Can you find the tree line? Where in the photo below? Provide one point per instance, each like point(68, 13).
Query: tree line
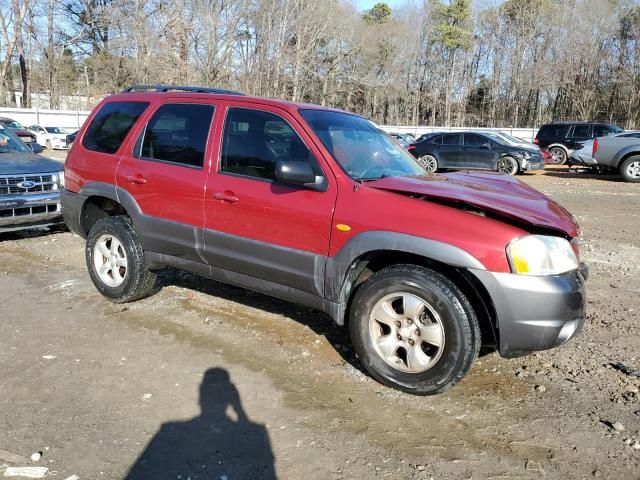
point(515, 63)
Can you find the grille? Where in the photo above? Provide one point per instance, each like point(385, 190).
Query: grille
point(24, 211)
point(43, 183)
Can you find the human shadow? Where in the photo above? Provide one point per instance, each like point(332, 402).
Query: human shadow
point(212, 445)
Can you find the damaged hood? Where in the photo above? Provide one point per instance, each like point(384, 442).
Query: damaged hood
point(500, 194)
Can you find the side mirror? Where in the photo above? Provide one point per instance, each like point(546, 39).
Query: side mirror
point(485, 146)
point(36, 148)
point(301, 174)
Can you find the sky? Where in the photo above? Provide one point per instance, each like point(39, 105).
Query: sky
point(364, 4)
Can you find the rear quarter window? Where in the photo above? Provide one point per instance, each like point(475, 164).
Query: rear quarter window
point(110, 126)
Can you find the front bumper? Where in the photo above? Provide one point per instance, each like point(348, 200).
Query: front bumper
point(18, 212)
point(535, 313)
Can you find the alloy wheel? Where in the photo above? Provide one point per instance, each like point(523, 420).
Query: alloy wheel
point(407, 332)
point(110, 260)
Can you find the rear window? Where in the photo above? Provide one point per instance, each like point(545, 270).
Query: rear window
point(553, 130)
point(110, 126)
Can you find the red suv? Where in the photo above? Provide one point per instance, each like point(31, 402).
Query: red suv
point(320, 207)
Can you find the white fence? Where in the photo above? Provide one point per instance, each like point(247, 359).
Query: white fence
point(527, 134)
point(47, 118)
point(74, 120)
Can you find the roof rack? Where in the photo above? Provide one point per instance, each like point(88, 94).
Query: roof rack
point(178, 88)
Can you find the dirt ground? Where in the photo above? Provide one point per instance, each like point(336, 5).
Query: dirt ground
point(216, 382)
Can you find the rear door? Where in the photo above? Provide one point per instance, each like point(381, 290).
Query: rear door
point(165, 169)
point(578, 133)
point(477, 152)
point(256, 226)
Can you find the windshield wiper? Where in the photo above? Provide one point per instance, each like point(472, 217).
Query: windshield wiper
point(371, 179)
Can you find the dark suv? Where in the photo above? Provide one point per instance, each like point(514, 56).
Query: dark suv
point(562, 138)
point(320, 207)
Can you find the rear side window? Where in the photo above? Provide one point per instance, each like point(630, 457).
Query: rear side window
point(110, 126)
point(553, 131)
point(452, 139)
point(178, 133)
point(580, 131)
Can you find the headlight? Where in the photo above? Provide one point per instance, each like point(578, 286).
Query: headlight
point(541, 255)
point(526, 155)
point(61, 177)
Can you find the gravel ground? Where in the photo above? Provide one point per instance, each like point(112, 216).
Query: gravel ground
point(216, 382)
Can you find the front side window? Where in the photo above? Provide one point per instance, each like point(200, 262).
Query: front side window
point(178, 133)
point(601, 131)
point(54, 130)
point(361, 149)
point(111, 125)
point(254, 141)
point(474, 140)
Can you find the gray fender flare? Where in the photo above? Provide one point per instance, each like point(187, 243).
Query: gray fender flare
point(626, 152)
point(338, 266)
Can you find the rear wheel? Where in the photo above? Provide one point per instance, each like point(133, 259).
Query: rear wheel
point(414, 330)
point(630, 169)
point(508, 165)
point(429, 162)
point(558, 155)
point(115, 260)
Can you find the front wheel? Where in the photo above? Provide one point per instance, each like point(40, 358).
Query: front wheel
point(115, 260)
point(413, 329)
point(630, 169)
point(508, 165)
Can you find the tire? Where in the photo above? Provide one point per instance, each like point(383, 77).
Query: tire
point(558, 155)
point(445, 317)
point(630, 169)
point(47, 144)
point(124, 283)
point(508, 165)
point(429, 163)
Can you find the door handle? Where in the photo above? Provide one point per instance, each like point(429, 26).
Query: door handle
point(139, 179)
point(226, 196)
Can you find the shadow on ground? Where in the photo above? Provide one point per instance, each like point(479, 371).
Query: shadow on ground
point(220, 442)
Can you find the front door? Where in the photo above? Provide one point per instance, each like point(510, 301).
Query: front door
point(256, 226)
point(165, 171)
point(477, 152)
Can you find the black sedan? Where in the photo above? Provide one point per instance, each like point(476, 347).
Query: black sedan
point(472, 150)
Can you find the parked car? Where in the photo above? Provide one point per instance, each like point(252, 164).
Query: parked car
point(401, 139)
point(29, 185)
point(474, 150)
point(25, 135)
point(583, 155)
point(50, 137)
point(70, 138)
point(562, 138)
point(423, 268)
point(619, 153)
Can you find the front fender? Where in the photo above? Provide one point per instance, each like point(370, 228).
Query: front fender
point(339, 265)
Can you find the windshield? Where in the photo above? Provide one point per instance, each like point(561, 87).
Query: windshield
point(616, 128)
point(361, 149)
point(54, 130)
point(13, 124)
point(10, 143)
